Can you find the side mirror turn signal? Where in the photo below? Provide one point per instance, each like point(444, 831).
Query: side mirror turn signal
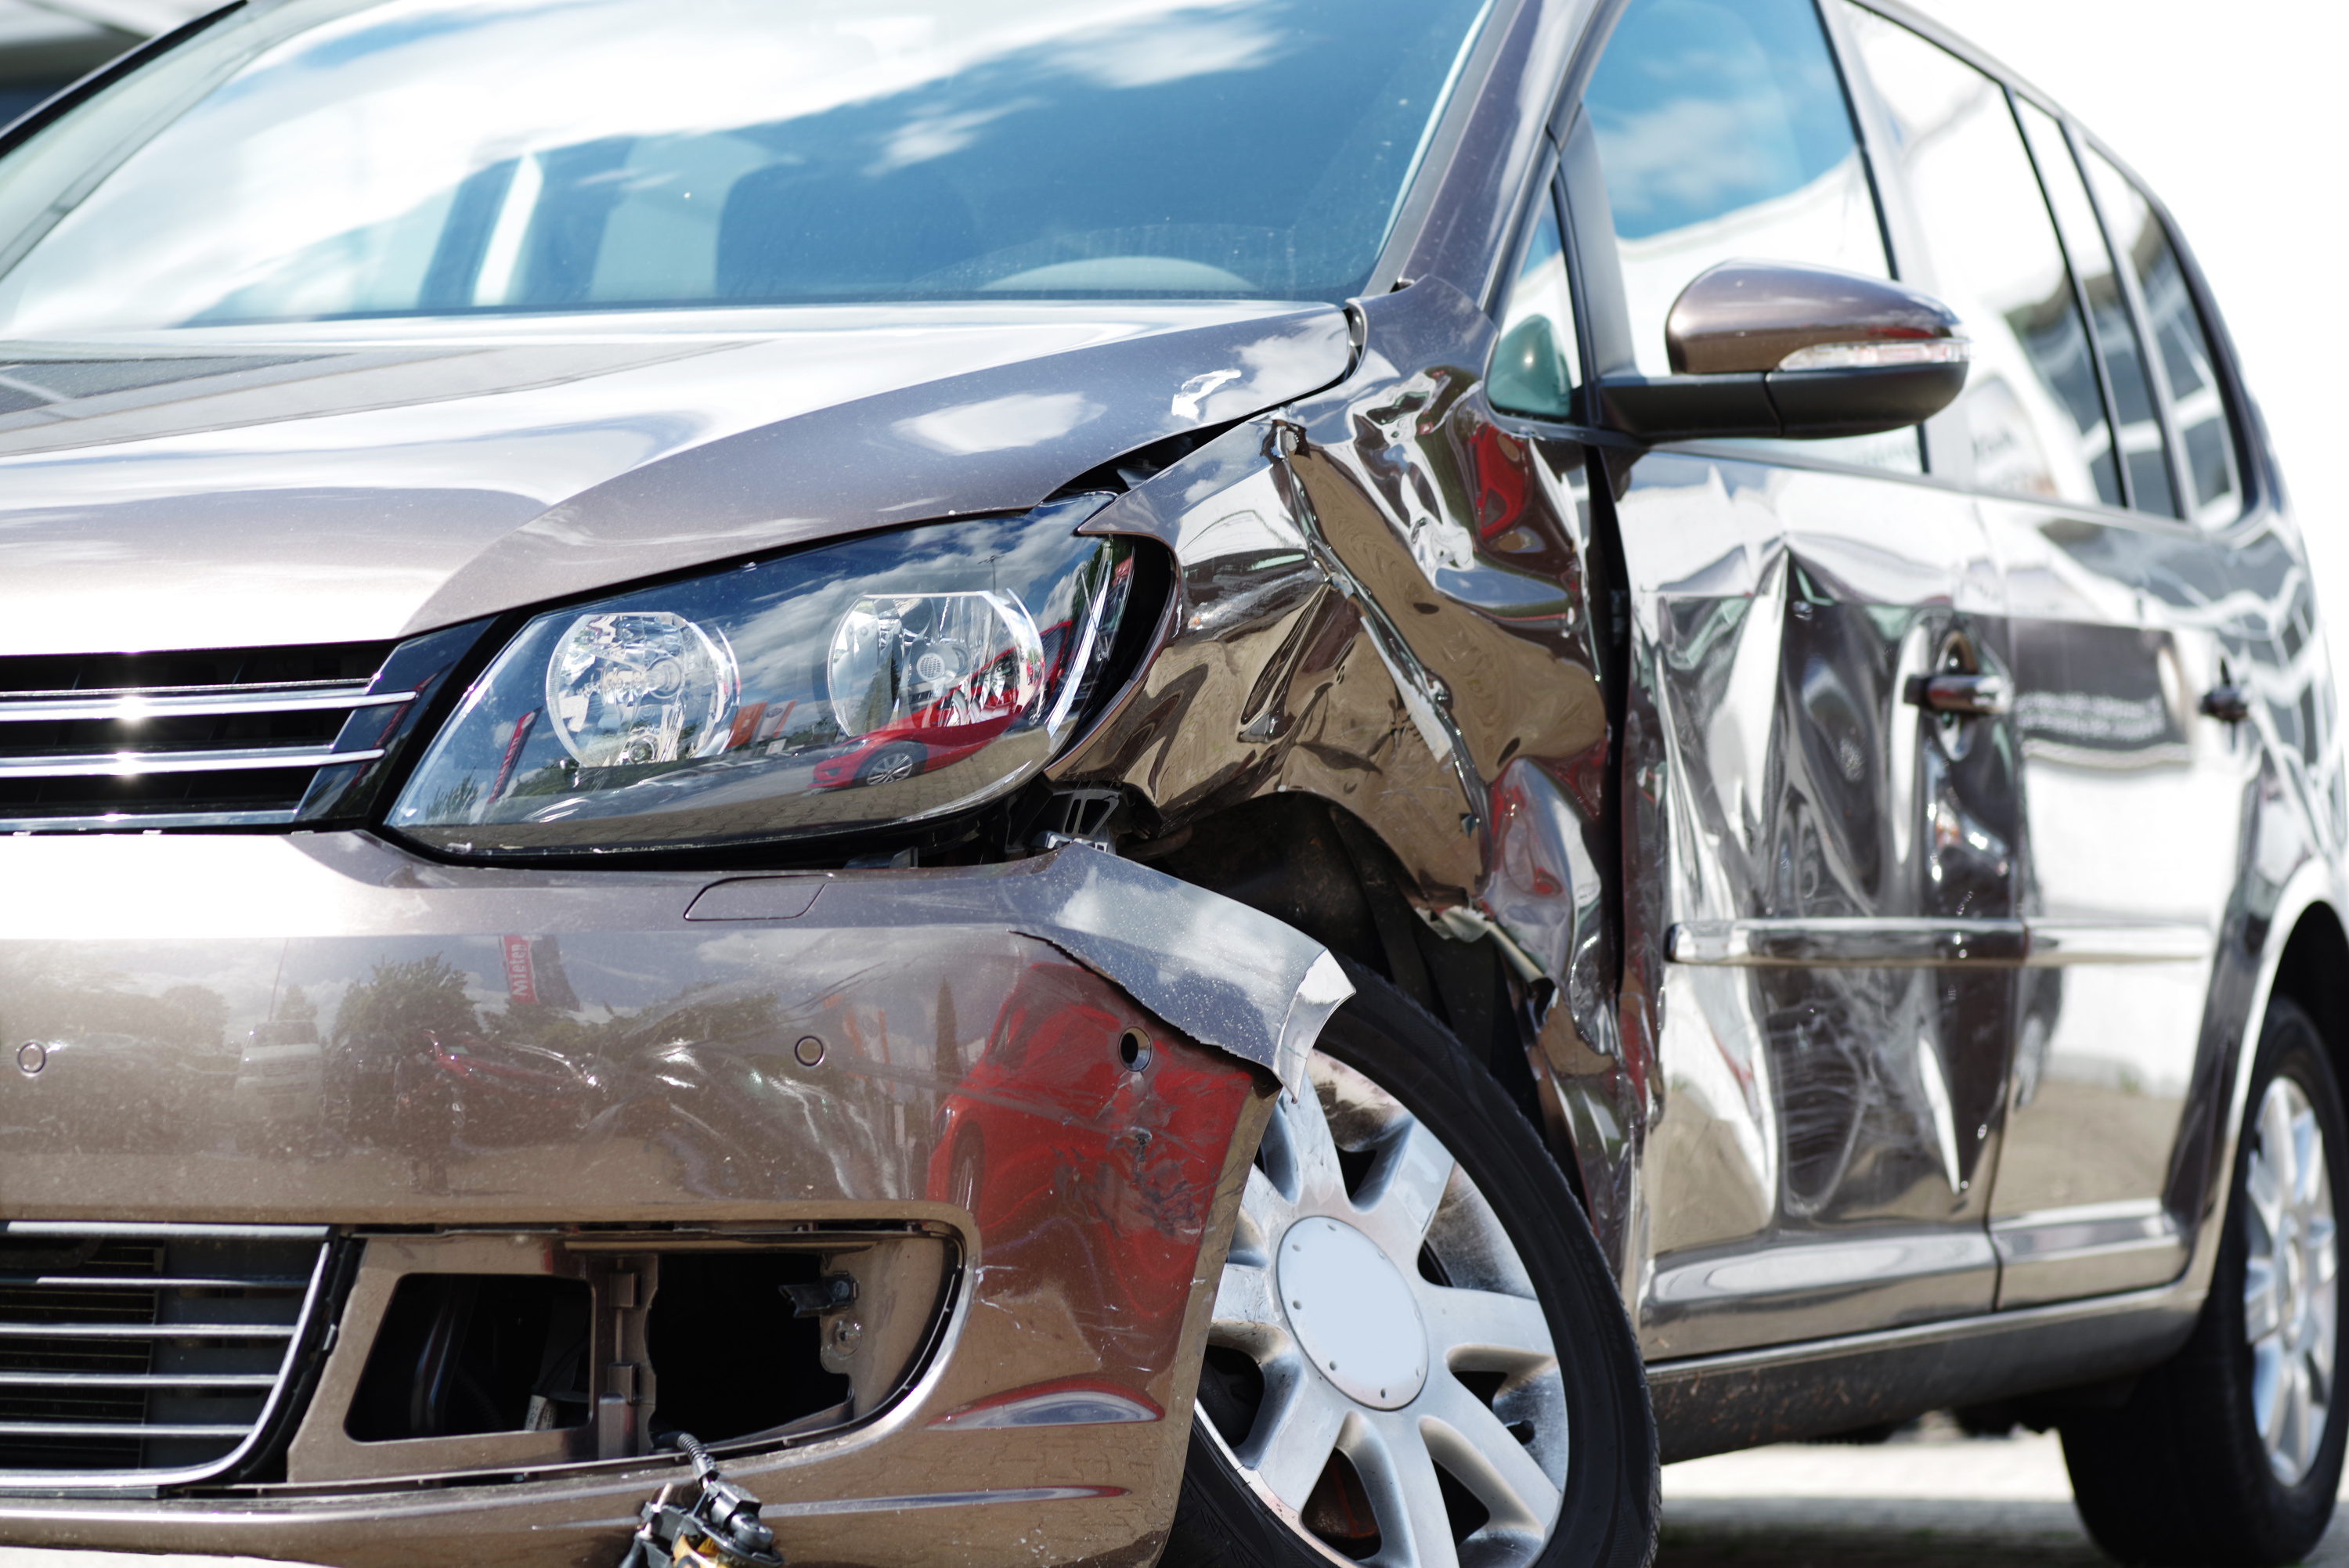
point(1774, 348)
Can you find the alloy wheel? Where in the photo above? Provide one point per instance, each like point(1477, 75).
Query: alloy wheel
point(1381, 1371)
point(2290, 1300)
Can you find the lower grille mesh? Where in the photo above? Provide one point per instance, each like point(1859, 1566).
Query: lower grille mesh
point(132, 1354)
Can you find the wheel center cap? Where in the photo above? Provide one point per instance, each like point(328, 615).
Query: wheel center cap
point(1353, 1312)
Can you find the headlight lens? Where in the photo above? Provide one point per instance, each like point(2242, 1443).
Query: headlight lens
point(878, 680)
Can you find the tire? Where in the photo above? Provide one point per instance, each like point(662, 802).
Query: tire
point(894, 763)
point(2189, 1470)
point(1451, 1261)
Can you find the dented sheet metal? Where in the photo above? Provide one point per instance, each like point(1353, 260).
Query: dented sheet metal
point(1063, 1062)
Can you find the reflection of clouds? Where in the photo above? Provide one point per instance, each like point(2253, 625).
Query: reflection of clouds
point(1175, 48)
point(1705, 155)
point(1018, 419)
point(936, 135)
point(382, 113)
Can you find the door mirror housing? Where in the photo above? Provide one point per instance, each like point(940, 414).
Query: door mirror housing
point(1775, 348)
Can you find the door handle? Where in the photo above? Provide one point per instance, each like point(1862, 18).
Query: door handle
point(2227, 703)
point(1959, 694)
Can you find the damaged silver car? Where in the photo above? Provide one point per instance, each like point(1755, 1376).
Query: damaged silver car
point(1056, 783)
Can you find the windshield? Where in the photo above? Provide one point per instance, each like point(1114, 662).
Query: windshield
point(322, 159)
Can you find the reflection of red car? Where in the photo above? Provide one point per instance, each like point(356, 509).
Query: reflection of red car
point(1078, 1135)
point(966, 719)
point(502, 1093)
point(929, 738)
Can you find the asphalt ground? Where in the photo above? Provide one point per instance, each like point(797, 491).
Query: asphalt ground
point(1930, 1498)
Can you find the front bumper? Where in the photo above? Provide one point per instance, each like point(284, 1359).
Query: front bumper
point(1050, 1074)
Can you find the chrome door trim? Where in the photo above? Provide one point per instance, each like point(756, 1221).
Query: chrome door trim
point(2051, 1255)
point(1791, 1269)
point(1871, 943)
point(1933, 943)
point(2058, 942)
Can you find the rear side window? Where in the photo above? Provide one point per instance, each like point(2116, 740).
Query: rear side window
point(2145, 457)
point(2182, 360)
point(2032, 412)
point(1724, 134)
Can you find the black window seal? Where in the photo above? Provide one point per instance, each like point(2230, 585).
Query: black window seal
point(52, 110)
point(2221, 343)
point(2149, 347)
point(2105, 389)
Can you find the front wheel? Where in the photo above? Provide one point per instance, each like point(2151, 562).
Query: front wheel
point(1417, 1356)
point(2231, 1451)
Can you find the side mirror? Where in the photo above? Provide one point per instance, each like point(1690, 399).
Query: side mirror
point(1772, 348)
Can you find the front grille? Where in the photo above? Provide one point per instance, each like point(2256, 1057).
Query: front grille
point(232, 737)
point(135, 1355)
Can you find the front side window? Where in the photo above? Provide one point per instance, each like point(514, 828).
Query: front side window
point(2145, 455)
point(2033, 414)
point(1725, 135)
point(329, 159)
point(2198, 411)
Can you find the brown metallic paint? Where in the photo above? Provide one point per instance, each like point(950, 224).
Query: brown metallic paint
point(1746, 317)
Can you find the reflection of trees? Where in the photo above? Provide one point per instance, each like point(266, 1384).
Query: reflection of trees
point(45, 996)
point(149, 1058)
point(400, 1000)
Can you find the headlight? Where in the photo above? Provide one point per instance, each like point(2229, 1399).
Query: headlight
point(877, 680)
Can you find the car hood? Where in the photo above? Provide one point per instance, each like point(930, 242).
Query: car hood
point(200, 489)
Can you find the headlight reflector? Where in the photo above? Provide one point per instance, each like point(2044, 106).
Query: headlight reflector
point(641, 687)
point(875, 680)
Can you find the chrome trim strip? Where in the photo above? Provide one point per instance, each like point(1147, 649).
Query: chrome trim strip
point(85, 694)
point(138, 1380)
point(145, 1331)
point(195, 1230)
point(1913, 944)
point(138, 1430)
point(156, 821)
point(136, 764)
point(1793, 1270)
point(1879, 944)
point(1950, 1329)
point(2056, 942)
point(131, 709)
point(150, 1282)
point(2091, 1223)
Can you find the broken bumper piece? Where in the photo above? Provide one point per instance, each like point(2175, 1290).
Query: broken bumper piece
point(364, 1210)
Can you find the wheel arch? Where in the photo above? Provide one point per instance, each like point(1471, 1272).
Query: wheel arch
point(1310, 863)
point(2305, 935)
point(2313, 971)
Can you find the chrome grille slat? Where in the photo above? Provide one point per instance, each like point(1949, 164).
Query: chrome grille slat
point(143, 1355)
point(198, 739)
point(131, 707)
point(98, 822)
point(114, 1429)
point(135, 1282)
point(143, 1331)
point(138, 1380)
point(123, 764)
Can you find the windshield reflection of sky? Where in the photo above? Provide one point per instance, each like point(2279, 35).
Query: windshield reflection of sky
point(428, 156)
